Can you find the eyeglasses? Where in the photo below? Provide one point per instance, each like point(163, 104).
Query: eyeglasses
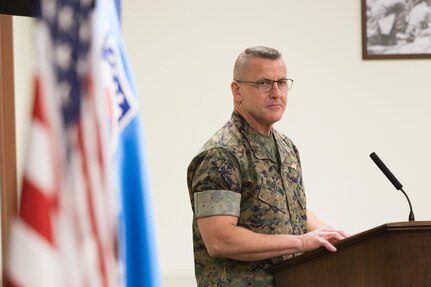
point(265, 86)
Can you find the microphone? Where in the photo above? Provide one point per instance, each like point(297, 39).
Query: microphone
point(392, 179)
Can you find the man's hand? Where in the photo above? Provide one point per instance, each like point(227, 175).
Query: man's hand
point(322, 237)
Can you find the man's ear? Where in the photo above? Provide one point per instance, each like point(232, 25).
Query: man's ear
point(236, 91)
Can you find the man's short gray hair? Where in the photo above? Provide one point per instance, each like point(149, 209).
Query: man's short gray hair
point(253, 52)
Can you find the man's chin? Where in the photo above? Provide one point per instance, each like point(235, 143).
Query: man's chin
point(275, 117)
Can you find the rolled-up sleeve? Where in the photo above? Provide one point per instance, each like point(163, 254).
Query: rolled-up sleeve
point(215, 184)
point(216, 202)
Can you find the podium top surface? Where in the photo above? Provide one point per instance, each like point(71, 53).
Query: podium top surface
point(354, 239)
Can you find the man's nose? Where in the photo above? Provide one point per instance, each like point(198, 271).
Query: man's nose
point(276, 92)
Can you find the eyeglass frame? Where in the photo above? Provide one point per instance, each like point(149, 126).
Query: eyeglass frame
point(267, 81)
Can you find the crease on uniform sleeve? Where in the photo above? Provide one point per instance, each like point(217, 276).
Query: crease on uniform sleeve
point(217, 202)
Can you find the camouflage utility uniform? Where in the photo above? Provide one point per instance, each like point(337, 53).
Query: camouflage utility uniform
point(237, 174)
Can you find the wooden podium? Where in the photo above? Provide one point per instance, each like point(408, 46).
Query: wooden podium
point(393, 254)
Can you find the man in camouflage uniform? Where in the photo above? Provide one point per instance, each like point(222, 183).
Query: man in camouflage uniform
point(246, 186)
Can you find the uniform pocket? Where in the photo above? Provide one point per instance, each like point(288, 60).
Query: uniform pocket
point(270, 195)
point(293, 177)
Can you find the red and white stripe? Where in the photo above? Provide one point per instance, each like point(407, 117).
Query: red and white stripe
point(66, 231)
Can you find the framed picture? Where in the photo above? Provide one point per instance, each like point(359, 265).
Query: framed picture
point(396, 29)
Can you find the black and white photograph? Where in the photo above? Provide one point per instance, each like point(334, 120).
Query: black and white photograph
point(396, 28)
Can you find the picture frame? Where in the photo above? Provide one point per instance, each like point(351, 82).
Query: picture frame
point(396, 29)
point(18, 7)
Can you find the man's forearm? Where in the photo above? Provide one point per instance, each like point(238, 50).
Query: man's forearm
point(242, 244)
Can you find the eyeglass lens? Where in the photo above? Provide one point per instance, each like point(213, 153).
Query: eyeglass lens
point(283, 85)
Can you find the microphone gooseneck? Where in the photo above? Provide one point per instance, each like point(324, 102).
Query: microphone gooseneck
point(411, 215)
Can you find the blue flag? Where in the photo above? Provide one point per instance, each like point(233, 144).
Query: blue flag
point(136, 234)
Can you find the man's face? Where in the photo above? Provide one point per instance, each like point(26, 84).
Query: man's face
point(262, 109)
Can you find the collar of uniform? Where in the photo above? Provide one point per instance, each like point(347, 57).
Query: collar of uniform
point(254, 138)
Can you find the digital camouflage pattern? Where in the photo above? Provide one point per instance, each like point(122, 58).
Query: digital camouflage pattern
point(235, 173)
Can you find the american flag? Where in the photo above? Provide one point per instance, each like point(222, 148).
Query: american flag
point(66, 230)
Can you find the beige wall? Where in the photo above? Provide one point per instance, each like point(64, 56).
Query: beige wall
point(340, 109)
